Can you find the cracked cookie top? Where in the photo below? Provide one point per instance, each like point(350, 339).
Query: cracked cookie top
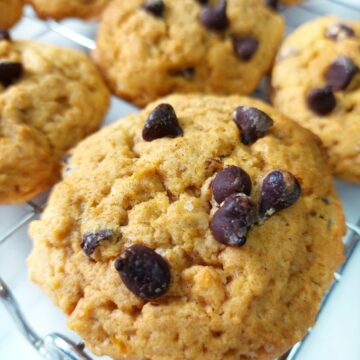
point(148, 49)
point(138, 247)
point(316, 82)
point(50, 98)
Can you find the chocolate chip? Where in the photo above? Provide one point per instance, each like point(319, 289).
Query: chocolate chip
point(321, 100)
point(91, 241)
point(144, 272)
point(339, 32)
point(155, 7)
point(4, 35)
point(340, 73)
point(162, 122)
point(245, 47)
point(279, 190)
point(187, 73)
point(202, 2)
point(229, 181)
point(214, 17)
point(232, 221)
point(10, 72)
point(272, 4)
point(252, 122)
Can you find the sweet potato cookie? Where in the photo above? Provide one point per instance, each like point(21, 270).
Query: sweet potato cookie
point(316, 81)
point(50, 98)
point(200, 228)
point(147, 49)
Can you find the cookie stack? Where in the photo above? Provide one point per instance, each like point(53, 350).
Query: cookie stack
point(207, 225)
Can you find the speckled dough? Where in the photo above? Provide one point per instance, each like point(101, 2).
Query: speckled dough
point(59, 9)
point(10, 12)
point(223, 302)
point(301, 66)
point(142, 56)
point(59, 99)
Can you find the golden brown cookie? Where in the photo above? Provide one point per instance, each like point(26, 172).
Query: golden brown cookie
point(136, 249)
point(60, 9)
point(50, 98)
point(148, 49)
point(316, 81)
point(10, 12)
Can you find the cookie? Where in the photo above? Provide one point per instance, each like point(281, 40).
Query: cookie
point(50, 98)
point(10, 12)
point(60, 9)
point(149, 49)
point(202, 227)
point(316, 81)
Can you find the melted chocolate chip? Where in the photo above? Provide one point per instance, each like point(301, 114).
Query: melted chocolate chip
point(321, 100)
point(232, 221)
point(279, 190)
point(214, 17)
point(186, 73)
point(229, 181)
point(162, 122)
point(91, 241)
point(252, 122)
point(340, 73)
point(272, 4)
point(10, 72)
point(245, 47)
point(144, 272)
point(155, 8)
point(4, 35)
point(339, 32)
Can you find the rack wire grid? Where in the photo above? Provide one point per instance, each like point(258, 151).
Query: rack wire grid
point(14, 219)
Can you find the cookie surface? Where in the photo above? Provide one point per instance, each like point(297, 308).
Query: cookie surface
point(50, 98)
point(122, 194)
point(144, 56)
point(10, 12)
point(60, 9)
point(316, 81)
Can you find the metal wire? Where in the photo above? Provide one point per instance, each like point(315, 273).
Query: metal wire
point(56, 346)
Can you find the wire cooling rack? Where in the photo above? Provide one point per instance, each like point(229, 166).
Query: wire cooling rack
point(81, 35)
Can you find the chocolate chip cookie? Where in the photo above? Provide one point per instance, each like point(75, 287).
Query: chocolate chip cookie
point(50, 98)
point(147, 49)
point(316, 81)
point(202, 227)
point(60, 9)
point(10, 13)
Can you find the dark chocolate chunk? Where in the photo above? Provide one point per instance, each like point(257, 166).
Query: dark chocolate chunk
point(340, 73)
point(272, 4)
point(229, 181)
point(321, 100)
point(339, 32)
point(252, 122)
point(144, 272)
point(279, 190)
point(245, 47)
point(91, 241)
point(214, 17)
point(232, 221)
point(10, 72)
point(4, 35)
point(155, 8)
point(162, 122)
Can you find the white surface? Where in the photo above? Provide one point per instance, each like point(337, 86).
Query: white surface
point(337, 333)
